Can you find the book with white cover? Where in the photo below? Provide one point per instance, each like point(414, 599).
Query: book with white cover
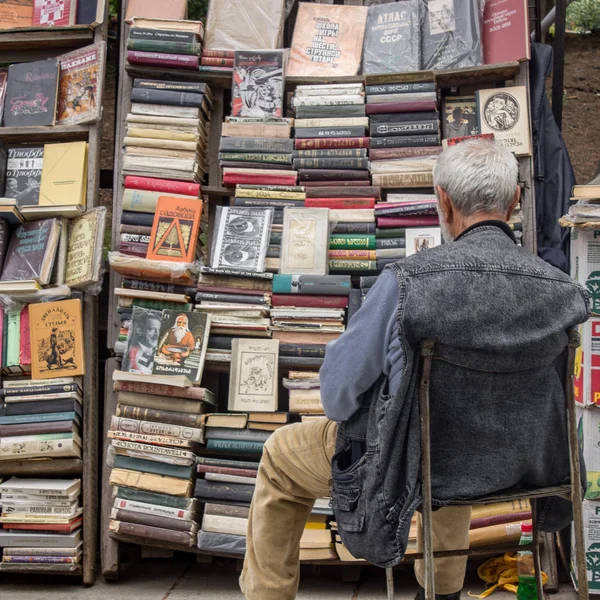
point(33, 486)
point(419, 239)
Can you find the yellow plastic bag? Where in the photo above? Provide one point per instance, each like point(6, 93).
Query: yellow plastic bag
point(500, 573)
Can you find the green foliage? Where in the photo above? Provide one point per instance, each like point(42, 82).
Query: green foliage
point(584, 16)
point(113, 8)
point(197, 9)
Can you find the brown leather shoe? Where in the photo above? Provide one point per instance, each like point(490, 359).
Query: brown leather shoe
point(421, 595)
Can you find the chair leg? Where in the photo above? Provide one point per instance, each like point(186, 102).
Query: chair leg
point(389, 580)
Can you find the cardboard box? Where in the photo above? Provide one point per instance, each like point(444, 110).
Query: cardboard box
point(591, 524)
point(585, 262)
point(586, 383)
point(588, 432)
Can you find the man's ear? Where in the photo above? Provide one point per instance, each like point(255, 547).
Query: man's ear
point(446, 207)
point(513, 204)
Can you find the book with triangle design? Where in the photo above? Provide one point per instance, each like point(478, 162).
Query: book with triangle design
point(175, 229)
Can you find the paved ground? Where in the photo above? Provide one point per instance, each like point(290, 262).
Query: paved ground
point(175, 579)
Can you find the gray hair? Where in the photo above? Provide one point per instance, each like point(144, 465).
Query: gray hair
point(479, 176)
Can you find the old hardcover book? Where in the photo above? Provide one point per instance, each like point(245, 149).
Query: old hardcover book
point(327, 40)
point(256, 130)
point(153, 466)
point(459, 116)
point(130, 516)
point(228, 492)
point(84, 251)
point(405, 141)
point(16, 13)
point(420, 239)
point(506, 31)
point(159, 534)
point(253, 383)
point(384, 108)
point(162, 35)
point(149, 45)
point(257, 84)
point(139, 388)
point(169, 24)
point(331, 143)
point(155, 9)
point(64, 175)
point(31, 252)
point(159, 416)
point(256, 145)
point(305, 241)
point(151, 482)
point(241, 237)
point(90, 12)
point(56, 339)
point(59, 13)
point(80, 85)
point(31, 93)
point(451, 34)
point(182, 344)
point(186, 504)
point(505, 113)
point(392, 38)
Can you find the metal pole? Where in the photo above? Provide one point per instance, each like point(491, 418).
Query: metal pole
point(558, 75)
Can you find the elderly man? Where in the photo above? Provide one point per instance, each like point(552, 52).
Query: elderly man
point(178, 342)
point(498, 316)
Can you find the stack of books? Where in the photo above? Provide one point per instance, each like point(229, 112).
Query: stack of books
point(309, 312)
point(316, 542)
point(216, 61)
point(405, 131)
point(498, 523)
point(40, 418)
point(224, 525)
point(231, 432)
point(165, 43)
point(41, 523)
point(167, 130)
point(305, 394)
point(586, 207)
point(155, 435)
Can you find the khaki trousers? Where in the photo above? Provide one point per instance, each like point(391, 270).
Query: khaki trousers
point(294, 471)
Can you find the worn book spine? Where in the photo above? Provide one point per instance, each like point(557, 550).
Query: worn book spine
point(309, 301)
point(137, 218)
point(322, 191)
point(331, 153)
point(144, 33)
point(218, 53)
point(191, 434)
point(133, 249)
point(344, 111)
point(161, 59)
point(38, 407)
point(352, 242)
point(411, 128)
point(140, 387)
point(151, 286)
point(151, 482)
point(382, 243)
point(331, 163)
point(266, 202)
point(352, 254)
point(228, 433)
point(256, 157)
point(41, 560)
point(401, 88)
point(167, 500)
point(232, 492)
point(256, 145)
point(152, 533)
point(342, 265)
point(500, 519)
point(391, 153)
point(326, 100)
point(228, 471)
point(302, 350)
point(324, 174)
point(242, 446)
point(340, 203)
point(329, 132)
point(425, 221)
point(401, 141)
point(38, 418)
point(269, 194)
point(168, 97)
point(154, 509)
point(231, 179)
point(159, 416)
point(324, 143)
point(345, 227)
point(225, 462)
point(236, 299)
point(32, 391)
point(43, 449)
point(161, 453)
point(404, 180)
point(151, 439)
point(256, 130)
point(150, 466)
point(32, 428)
point(168, 47)
point(226, 510)
point(214, 61)
point(128, 516)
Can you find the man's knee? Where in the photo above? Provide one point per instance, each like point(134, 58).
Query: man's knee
point(278, 440)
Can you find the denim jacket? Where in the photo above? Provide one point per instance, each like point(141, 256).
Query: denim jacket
point(498, 316)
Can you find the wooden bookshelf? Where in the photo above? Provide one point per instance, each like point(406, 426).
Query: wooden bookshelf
point(22, 45)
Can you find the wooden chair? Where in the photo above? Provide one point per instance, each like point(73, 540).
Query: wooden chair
point(572, 492)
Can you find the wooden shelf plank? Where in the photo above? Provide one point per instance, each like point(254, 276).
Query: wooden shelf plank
point(477, 75)
point(28, 38)
point(40, 134)
point(68, 467)
point(220, 80)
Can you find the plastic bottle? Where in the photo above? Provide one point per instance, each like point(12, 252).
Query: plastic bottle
point(527, 589)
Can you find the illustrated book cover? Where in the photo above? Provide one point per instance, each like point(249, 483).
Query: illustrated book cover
point(240, 238)
point(84, 249)
point(505, 113)
point(56, 339)
point(80, 85)
point(258, 86)
point(459, 116)
point(305, 241)
point(327, 40)
point(182, 344)
point(419, 239)
point(31, 252)
point(142, 341)
point(392, 38)
point(64, 175)
point(254, 375)
point(23, 175)
point(31, 93)
point(54, 13)
point(175, 229)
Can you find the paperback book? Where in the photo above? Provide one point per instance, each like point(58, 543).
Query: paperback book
point(23, 175)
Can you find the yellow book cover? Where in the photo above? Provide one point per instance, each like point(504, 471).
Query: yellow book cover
point(64, 174)
point(56, 339)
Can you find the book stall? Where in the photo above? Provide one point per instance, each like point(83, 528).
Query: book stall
point(52, 64)
point(261, 185)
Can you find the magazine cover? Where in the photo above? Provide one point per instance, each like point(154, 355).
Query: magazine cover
point(24, 174)
point(182, 344)
point(241, 240)
point(80, 85)
point(257, 84)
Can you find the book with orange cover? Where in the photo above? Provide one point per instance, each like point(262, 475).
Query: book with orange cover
point(175, 229)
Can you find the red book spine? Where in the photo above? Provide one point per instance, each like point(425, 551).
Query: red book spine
point(316, 143)
point(302, 301)
point(363, 183)
point(500, 519)
point(227, 290)
point(318, 191)
point(25, 350)
point(352, 255)
point(216, 62)
point(133, 249)
point(424, 221)
point(133, 182)
point(384, 153)
point(261, 178)
point(218, 53)
point(159, 389)
point(159, 59)
point(57, 527)
point(227, 470)
point(400, 107)
point(339, 203)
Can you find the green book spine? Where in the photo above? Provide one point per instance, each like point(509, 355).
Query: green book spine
point(126, 493)
point(40, 418)
point(342, 265)
point(150, 466)
point(161, 305)
point(235, 446)
point(223, 462)
point(122, 337)
point(14, 337)
point(256, 157)
point(352, 242)
point(390, 233)
point(166, 47)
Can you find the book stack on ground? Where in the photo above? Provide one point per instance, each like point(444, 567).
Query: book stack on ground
point(307, 313)
point(40, 418)
point(304, 389)
point(168, 44)
point(41, 524)
point(405, 131)
point(155, 435)
point(316, 542)
point(167, 130)
point(498, 523)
